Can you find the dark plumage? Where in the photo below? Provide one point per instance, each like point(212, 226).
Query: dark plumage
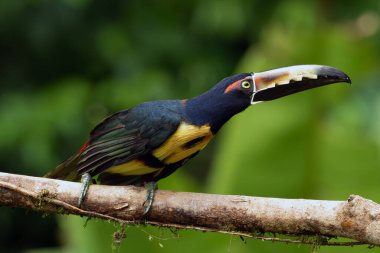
point(135, 133)
point(151, 140)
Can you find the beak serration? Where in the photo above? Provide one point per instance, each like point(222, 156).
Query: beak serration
point(276, 83)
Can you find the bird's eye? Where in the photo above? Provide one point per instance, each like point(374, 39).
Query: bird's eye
point(246, 84)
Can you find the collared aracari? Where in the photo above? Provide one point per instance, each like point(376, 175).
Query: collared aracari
point(150, 141)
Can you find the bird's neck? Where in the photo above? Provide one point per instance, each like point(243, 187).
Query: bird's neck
point(211, 108)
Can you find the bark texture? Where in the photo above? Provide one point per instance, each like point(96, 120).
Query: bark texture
point(357, 218)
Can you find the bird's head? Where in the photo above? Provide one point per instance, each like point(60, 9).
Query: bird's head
point(235, 93)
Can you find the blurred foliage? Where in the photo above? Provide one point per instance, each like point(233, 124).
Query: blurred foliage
point(66, 64)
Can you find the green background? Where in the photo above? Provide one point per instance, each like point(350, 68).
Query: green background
point(66, 64)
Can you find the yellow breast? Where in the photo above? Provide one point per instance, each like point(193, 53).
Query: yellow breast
point(187, 140)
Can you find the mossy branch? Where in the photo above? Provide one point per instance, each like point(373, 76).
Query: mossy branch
point(357, 218)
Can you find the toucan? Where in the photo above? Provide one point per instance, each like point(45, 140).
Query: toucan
point(148, 142)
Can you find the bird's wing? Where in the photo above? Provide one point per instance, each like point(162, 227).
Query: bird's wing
point(125, 136)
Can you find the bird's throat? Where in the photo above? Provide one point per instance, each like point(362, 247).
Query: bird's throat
point(214, 110)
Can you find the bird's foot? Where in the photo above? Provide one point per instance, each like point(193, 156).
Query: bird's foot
point(150, 189)
point(86, 178)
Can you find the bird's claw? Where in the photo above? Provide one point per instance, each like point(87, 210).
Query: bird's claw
point(86, 178)
point(150, 189)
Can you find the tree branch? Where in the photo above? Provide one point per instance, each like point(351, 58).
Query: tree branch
point(357, 218)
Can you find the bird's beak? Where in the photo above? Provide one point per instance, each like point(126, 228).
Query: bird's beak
point(276, 83)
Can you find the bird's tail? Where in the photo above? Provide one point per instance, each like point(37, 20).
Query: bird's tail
point(66, 170)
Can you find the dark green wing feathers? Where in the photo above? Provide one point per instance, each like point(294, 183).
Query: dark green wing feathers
point(123, 137)
point(117, 138)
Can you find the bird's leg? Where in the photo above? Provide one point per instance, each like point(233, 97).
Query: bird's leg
point(150, 188)
point(86, 178)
